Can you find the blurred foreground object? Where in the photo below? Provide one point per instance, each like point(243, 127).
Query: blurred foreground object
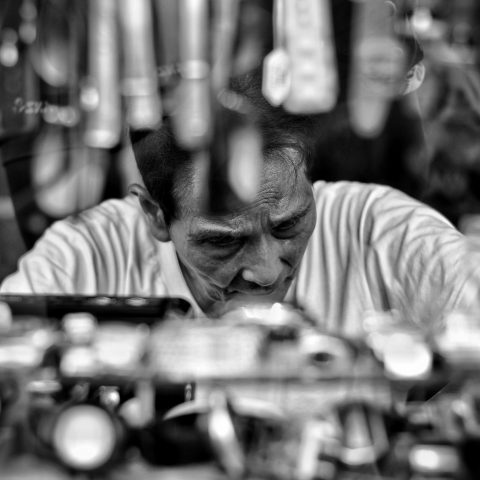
point(98, 395)
point(77, 76)
point(300, 73)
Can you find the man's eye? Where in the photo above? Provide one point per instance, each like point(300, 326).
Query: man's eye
point(223, 241)
point(286, 226)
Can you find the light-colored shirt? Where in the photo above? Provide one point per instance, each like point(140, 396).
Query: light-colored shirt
point(373, 248)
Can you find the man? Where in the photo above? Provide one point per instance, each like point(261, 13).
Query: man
point(336, 250)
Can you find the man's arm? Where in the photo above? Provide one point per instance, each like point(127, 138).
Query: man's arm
point(427, 266)
point(57, 264)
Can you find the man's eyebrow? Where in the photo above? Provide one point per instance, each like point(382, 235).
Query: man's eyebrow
point(212, 232)
point(221, 228)
point(296, 215)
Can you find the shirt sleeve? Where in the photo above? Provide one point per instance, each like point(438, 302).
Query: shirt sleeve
point(59, 263)
point(427, 267)
point(106, 250)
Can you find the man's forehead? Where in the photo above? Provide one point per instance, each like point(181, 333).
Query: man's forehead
point(281, 180)
point(268, 209)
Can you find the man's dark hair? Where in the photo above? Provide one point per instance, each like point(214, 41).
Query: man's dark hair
point(162, 164)
point(166, 168)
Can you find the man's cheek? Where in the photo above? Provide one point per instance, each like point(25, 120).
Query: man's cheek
point(294, 250)
point(218, 272)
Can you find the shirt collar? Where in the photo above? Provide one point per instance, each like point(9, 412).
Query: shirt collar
point(173, 277)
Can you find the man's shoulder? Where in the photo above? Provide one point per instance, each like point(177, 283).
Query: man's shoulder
point(114, 222)
point(362, 206)
point(115, 207)
point(120, 213)
point(355, 196)
point(346, 188)
point(90, 253)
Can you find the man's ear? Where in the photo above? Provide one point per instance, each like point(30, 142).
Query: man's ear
point(152, 210)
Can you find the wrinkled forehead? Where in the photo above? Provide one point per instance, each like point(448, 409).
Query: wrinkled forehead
point(283, 178)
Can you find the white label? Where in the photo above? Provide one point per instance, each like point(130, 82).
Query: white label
point(276, 77)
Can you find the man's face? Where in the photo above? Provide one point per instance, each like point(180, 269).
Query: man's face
point(253, 253)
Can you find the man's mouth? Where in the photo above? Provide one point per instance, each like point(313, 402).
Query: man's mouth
point(260, 292)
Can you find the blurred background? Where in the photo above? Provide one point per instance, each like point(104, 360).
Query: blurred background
point(398, 80)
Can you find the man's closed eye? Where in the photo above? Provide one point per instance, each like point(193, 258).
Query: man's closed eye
point(222, 241)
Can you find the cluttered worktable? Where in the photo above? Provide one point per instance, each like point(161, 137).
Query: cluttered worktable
point(151, 392)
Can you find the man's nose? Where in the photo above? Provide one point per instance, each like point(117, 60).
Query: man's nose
point(264, 264)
